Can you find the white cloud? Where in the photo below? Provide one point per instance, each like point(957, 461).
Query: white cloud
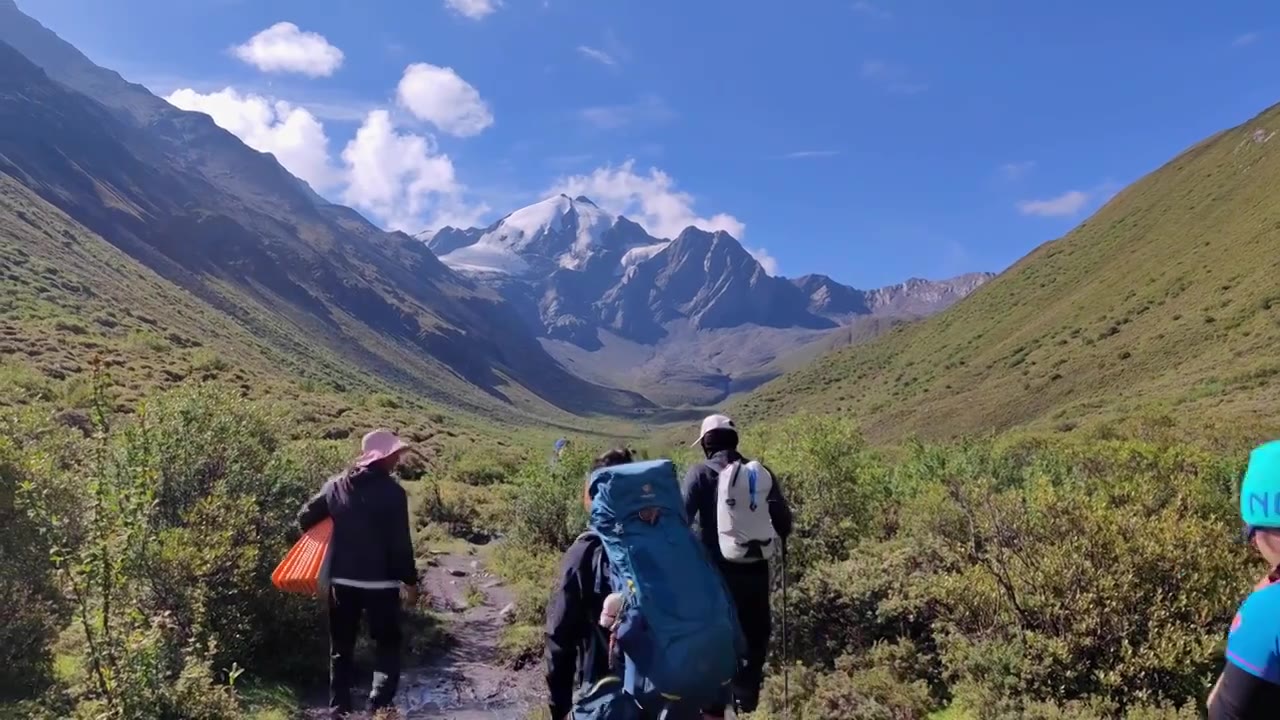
point(767, 261)
point(806, 154)
point(1017, 170)
point(872, 10)
point(284, 48)
point(1068, 203)
point(1246, 39)
point(893, 78)
point(650, 199)
point(648, 110)
point(441, 97)
point(474, 9)
point(1072, 202)
point(598, 55)
point(292, 134)
point(401, 179)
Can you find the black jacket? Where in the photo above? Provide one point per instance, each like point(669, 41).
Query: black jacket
point(1242, 696)
point(371, 540)
point(574, 651)
point(699, 489)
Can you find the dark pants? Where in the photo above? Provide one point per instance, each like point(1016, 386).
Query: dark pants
point(749, 587)
point(382, 610)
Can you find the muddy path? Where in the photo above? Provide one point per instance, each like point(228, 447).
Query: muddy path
point(470, 680)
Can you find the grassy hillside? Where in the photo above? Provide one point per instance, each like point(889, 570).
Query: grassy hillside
point(313, 286)
point(70, 297)
point(1166, 299)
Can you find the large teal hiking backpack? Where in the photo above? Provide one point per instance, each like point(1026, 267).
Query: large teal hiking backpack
point(677, 638)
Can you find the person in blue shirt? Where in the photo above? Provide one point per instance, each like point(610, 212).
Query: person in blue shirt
point(1249, 686)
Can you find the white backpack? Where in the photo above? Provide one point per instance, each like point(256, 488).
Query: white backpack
point(742, 513)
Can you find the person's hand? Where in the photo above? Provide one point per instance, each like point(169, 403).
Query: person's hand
point(411, 595)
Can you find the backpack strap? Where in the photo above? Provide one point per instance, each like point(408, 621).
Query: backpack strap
point(629, 678)
point(733, 468)
point(601, 641)
point(597, 559)
point(751, 486)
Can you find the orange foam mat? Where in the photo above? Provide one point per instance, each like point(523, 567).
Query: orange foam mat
point(300, 570)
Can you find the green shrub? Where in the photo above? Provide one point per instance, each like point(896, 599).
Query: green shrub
point(35, 609)
point(1030, 577)
point(144, 341)
point(165, 562)
point(547, 508)
point(531, 574)
point(836, 486)
point(849, 690)
point(205, 360)
point(481, 467)
point(452, 506)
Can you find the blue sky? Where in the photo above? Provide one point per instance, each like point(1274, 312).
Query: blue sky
point(868, 139)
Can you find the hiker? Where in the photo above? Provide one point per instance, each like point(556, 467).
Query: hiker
point(584, 610)
point(742, 550)
point(371, 561)
point(557, 450)
point(1249, 686)
point(572, 660)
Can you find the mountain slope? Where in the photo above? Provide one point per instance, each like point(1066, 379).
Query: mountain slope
point(232, 227)
point(684, 322)
point(1167, 297)
point(708, 279)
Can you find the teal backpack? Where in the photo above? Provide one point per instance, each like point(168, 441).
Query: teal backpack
point(676, 643)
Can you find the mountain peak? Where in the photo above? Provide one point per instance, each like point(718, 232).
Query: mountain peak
point(558, 231)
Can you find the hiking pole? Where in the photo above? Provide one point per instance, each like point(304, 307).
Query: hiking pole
point(786, 655)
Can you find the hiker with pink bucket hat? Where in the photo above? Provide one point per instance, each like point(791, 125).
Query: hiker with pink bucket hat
point(370, 562)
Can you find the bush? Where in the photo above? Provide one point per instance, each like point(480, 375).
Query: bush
point(165, 561)
point(226, 493)
point(34, 607)
point(480, 467)
point(456, 508)
point(849, 690)
point(836, 486)
point(1030, 577)
point(882, 594)
point(547, 509)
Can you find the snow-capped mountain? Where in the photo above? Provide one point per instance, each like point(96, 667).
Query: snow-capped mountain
point(685, 320)
point(559, 232)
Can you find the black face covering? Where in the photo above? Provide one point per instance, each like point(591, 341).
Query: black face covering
point(719, 441)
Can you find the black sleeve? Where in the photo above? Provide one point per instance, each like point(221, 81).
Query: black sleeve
point(566, 628)
point(400, 544)
point(1242, 696)
point(314, 510)
point(779, 508)
point(694, 490)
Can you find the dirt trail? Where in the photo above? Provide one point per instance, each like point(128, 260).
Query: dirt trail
point(469, 681)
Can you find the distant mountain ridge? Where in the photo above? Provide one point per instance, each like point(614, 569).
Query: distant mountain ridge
point(560, 308)
point(232, 227)
point(586, 278)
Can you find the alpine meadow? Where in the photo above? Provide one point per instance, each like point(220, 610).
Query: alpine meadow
point(1016, 486)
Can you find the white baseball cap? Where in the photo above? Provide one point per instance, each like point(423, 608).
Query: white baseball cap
point(714, 422)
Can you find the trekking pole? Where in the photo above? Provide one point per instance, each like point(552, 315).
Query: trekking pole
point(786, 654)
